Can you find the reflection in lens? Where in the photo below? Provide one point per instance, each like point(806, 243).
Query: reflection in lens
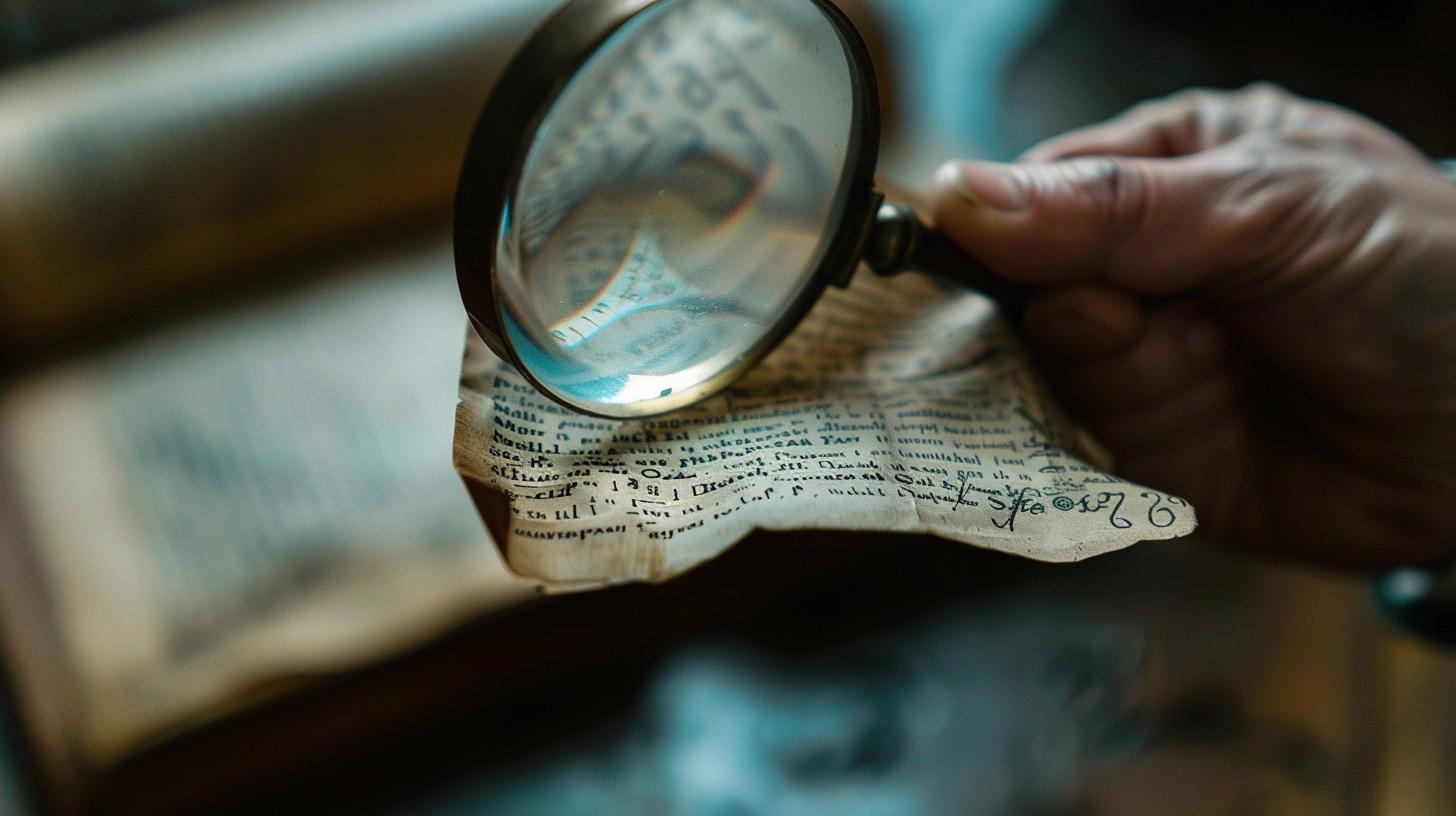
point(676, 200)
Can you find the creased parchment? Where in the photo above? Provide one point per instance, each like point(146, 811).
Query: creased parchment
point(897, 406)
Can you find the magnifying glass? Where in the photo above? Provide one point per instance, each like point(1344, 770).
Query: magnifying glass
point(657, 192)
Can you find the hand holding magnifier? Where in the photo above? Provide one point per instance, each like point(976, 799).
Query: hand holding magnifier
point(658, 191)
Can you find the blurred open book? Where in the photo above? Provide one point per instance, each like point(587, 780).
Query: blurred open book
point(242, 481)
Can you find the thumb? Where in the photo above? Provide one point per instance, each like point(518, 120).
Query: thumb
point(1153, 227)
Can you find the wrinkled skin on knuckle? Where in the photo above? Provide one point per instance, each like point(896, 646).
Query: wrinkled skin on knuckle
point(1198, 98)
point(1322, 127)
point(1367, 187)
point(1291, 216)
point(1218, 117)
point(1320, 136)
point(1176, 122)
point(1338, 133)
point(1348, 231)
point(1266, 95)
point(1114, 191)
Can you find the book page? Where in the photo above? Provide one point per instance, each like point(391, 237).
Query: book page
point(898, 406)
point(253, 498)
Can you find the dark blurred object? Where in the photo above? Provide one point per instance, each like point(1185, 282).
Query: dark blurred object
point(920, 680)
point(30, 29)
point(182, 156)
point(1422, 601)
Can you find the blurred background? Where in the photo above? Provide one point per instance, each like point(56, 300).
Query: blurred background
point(237, 573)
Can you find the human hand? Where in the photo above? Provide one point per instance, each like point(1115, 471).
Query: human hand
point(1250, 298)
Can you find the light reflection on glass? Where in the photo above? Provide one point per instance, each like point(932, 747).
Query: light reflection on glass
point(676, 200)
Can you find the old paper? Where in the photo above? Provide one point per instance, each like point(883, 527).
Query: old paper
point(253, 498)
point(897, 406)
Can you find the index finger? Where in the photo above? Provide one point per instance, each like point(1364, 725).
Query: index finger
point(1179, 125)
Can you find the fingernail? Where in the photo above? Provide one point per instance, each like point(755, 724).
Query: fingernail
point(989, 185)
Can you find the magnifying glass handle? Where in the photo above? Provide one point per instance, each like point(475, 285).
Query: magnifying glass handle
point(900, 243)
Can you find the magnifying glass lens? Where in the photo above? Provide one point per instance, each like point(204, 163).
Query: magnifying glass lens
point(675, 203)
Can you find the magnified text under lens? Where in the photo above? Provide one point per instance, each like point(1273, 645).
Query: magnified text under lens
point(677, 199)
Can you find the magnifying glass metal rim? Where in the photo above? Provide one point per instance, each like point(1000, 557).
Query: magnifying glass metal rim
point(502, 139)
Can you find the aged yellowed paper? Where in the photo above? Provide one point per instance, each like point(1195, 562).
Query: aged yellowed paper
point(898, 405)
